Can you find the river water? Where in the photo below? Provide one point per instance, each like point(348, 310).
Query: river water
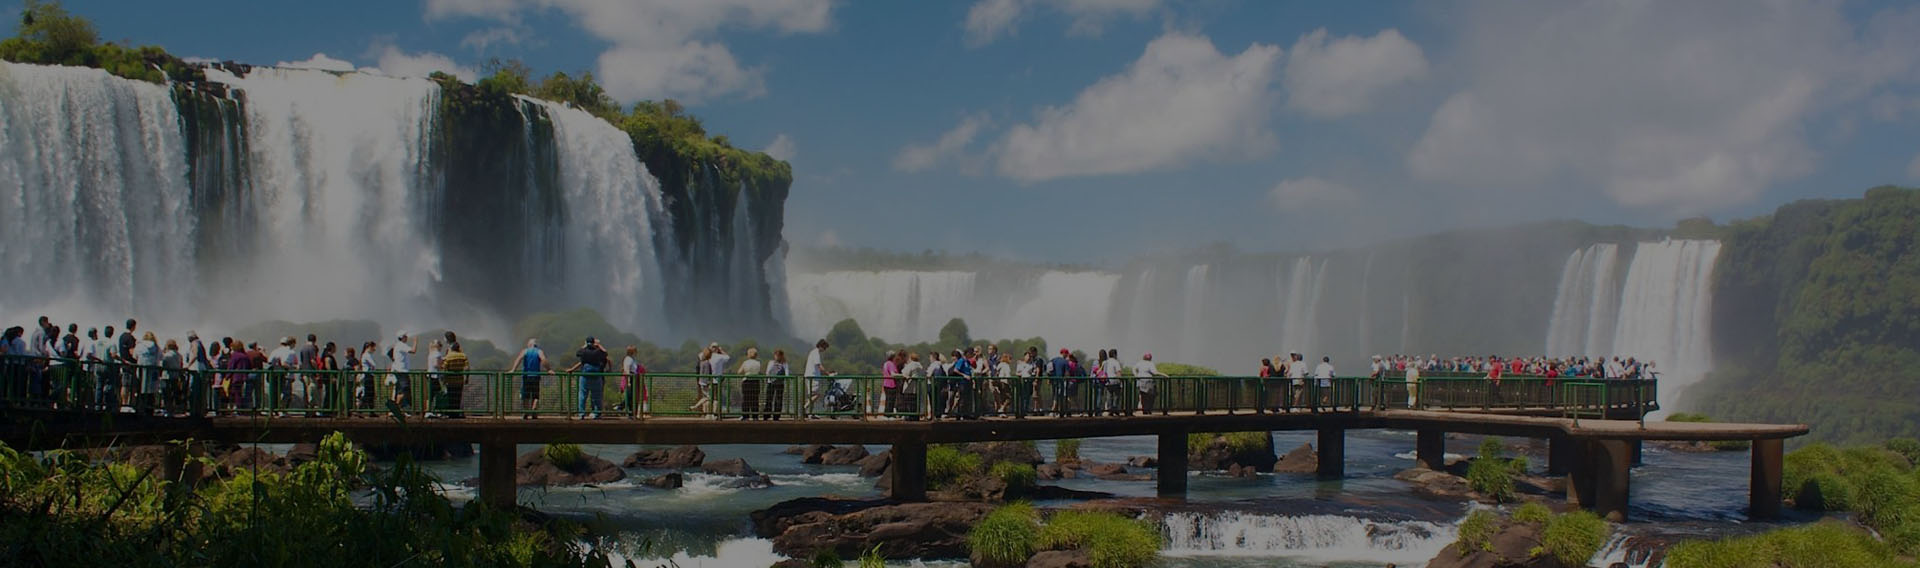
point(1367, 519)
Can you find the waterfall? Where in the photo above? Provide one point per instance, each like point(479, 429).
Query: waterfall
point(1318, 538)
point(1193, 313)
point(1666, 312)
point(95, 194)
point(1069, 309)
point(1296, 319)
point(1585, 308)
point(897, 305)
point(1631, 551)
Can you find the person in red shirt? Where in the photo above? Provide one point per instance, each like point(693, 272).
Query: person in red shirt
point(1493, 377)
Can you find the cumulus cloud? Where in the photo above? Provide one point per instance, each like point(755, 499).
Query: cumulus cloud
point(1182, 101)
point(1310, 193)
point(1683, 106)
point(782, 148)
point(391, 60)
point(663, 48)
point(1342, 77)
point(480, 40)
point(321, 62)
point(989, 20)
point(951, 148)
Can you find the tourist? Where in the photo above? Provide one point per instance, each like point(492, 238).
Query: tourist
point(1111, 369)
point(1003, 394)
point(1493, 379)
point(890, 383)
point(750, 371)
point(454, 366)
point(1077, 375)
point(960, 388)
point(327, 371)
point(630, 372)
point(36, 346)
point(436, 358)
point(708, 402)
point(776, 399)
point(1297, 374)
point(146, 355)
point(1413, 384)
point(591, 360)
point(367, 391)
point(309, 354)
point(1097, 388)
point(400, 357)
point(1324, 372)
point(352, 377)
point(1144, 373)
point(1057, 374)
point(532, 362)
point(700, 371)
point(175, 386)
point(816, 373)
point(912, 374)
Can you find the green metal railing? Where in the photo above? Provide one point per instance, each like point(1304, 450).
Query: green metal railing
point(273, 393)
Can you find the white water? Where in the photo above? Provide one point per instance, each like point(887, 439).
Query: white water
point(93, 197)
point(1193, 313)
point(1296, 328)
point(1586, 307)
point(1316, 538)
point(1666, 312)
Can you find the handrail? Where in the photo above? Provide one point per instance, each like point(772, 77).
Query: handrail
point(96, 386)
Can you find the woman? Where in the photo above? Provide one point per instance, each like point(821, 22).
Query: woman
point(1002, 384)
point(630, 371)
point(701, 371)
point(176, 381)
point(909, 402)
point(890, 383)
point(146, 355)
point(351, 378)
point(328, 368)
point(777, 373)
point(367, 391)
point(750, 383)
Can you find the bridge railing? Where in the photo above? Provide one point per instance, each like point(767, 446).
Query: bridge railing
point(107, 386)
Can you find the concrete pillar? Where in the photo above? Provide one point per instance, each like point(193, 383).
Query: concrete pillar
point(1561, 453)
point(1634, 450)
point(497, 487)
point(909, 472)
point(1333, 453)
point(1173, 465)
point(1601, 478)
point(1430, 449)
point(1764, 498)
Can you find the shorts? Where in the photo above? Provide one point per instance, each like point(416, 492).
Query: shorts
point(529, 388)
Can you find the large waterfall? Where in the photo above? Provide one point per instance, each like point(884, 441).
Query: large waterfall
point(308, 195)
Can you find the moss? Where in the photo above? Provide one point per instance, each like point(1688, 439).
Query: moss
point(1477, 530)
point(564, 455)
point(1017, 476)
point(1532, 513)
point(1572, 538)
point(1110, 540)
point(1006, 537)
point(947, 464)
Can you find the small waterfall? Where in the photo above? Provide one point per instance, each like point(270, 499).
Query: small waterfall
point(1632, 552)
point(897, 305)
point(1193, 313)
point(1586, 307)
point(94, 197)
point(1319, 538)
point(1665, 312)
point(612, 204)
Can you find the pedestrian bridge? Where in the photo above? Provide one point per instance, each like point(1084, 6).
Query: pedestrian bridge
point(1594, 427)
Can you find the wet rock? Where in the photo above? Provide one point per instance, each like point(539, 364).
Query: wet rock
point(797, 450)
point(995, 452)
point(678, 457)
point(665, 481)
point(1052, 471)
point(811, 453)
point(1216, 456)
point(876, 465)
point(759, 481)
point(1060, 559)
point(534, 468)
point(735, 467)
point(846, 455)
point(1300, 460)
point(1436, 484)
point(1099, 469)
point(802, 527)
point(1242, 471)
point(1143, 461)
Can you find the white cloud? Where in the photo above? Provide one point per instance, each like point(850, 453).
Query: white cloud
point(480, 40)
point(988, 20)
point(1343, 77)
point(1913, 168)
point(828, 239)
point(1182, 101)
point(782, 148)
point(951, 147)
point(391, 60)
point(663, 48)
point(1310, 193)
point(1677, 105)
point(321, 62)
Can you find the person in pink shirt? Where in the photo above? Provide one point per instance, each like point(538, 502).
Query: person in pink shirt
point(889, 385)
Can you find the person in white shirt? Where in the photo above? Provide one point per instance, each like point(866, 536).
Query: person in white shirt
point(750, 380)
point(629, 379)
point(1144, 373)
point(1324, 372)
point(816, 373)
point(1413, 384)
point(717, 364)
point(1297, 370)
point(400, 355)
point(436, 362)
point(1110, 370)
point(913, 371)
point(1002, 387)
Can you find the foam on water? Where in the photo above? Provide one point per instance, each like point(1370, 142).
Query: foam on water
point(1319, 538)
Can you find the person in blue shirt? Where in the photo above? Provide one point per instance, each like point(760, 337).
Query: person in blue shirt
point(1057, 374)
point(959, 390)
point(533, 361)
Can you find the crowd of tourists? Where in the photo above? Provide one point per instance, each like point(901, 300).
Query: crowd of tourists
point(130, 370)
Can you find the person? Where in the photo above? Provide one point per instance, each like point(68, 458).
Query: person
point(308, 381)
point(454, 366)
point(701, 369)
point(1098, 386)
point(630, 375)
point(751, 379)
point(709, 395)
point(960, 391)
point(436, 359)
point(591, 360)
point(909, 402)
point(282, 361)
point(201, 363)
point(1002, 385)
point(1297, 374)
point(816, 373)
point(1057, 373)
point(890, 383)
point(367, 391)
point(323, 381)
point(174, 386)
point(1413, 385)
point(939, 383)
point(531, 363)
point(400, 363)
point(1144, 373)
point(351, 380)
point(1493, 379)
point(146, 354)
point(1111, 369)
point(1324, 373)
point(776, 400)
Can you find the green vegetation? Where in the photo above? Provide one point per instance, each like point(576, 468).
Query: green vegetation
point(1876, 483)
point(1018, 476)
point(1110, 539)
point(1492, 475)
point(1534, 513)
point(1831, 544)
point(565, 456)
point(1572, 538)
point(60, 510)
point(1477, 531)
point(1185, 370)
point(1719, 445)
point(1825, 328)
point(48, 35)
point(1236, 442)
point(872, 558)
point(1066, 451)
point(947, 464)
point(1006, 537)
point(826, 558)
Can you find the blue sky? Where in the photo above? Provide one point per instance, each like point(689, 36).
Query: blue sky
point(1082, 130)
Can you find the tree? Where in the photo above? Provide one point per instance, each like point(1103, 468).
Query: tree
point(954, 334)
point(63, 36)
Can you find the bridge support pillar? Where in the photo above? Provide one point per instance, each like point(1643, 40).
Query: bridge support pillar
point(1333, 453)
point(1173, 465)
point(1601, 478)
point(1634, 447)
point(1561, 454)
point(497, 487)
point(1430, 449)
point(909, 471)
point(1764, 499)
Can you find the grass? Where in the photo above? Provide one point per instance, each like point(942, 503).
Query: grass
point(1110, 540)
point(1532, 513)
point(1828, 544)
point(1006, 537)
point(1879, 484)
point(1067, 450)
point(1572, 538)
point(1236, 442)
point(947, 464)
point(564, 455)
point(1492, 475)
point(1017, 476)
point(1477, 530)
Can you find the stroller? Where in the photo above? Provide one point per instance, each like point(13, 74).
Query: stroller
point(839, 396)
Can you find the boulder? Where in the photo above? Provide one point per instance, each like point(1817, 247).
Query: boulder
point(811, 454)
point(1052, 471)
point(1301, 460)
point(251, 458)
point(534, 468)
point(735, 467)
point(1060, 559)
point(678, 457)
point(1512, 547)
point(1143, 461)
point(1101, 469)
point(757, 481)
point(1436, 484)
point(846, 455)
point(876, 465)
point(995, 452)
point(794, 450)
point(802, 527)
point(665, 481)
point(1245, 471)
point(1216, 456)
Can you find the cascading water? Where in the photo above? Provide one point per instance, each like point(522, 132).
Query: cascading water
point(1193, 313)
point(1666, 312)
point(1585, 309)
point(898, 305)
point(1317, 538)
point(1296, 319)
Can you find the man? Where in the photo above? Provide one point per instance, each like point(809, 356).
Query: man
point(436, 356)
point(455, 380)
point(107, 379)
point(400, 357)
point(1297, 372)
point(1144, 373)
point(532, 362)
point(816, 373)
point(1413, 384)
point(282, 360)
point(591, 361)
point(1324, 373)
point(306, 383)
point(960, 389)
point(1057, 373)
point(1493, 379)
point(39, 345)
point(709, 402)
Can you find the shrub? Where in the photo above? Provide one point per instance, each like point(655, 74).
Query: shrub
point(1006, 537)
point(1688, 417)
point(1907, 448)
point(1572, 538)
point(1110, 540)
point(1067, 450)
point(1491, 477)
point(1532, 513)
point(947, 464)
point(1236, 443)
point(1492, 447)
point(872, 558)
point(1823, 544)
point(826, 558)
point(1477, 530)
point(565, 456)
point(1017, 476)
